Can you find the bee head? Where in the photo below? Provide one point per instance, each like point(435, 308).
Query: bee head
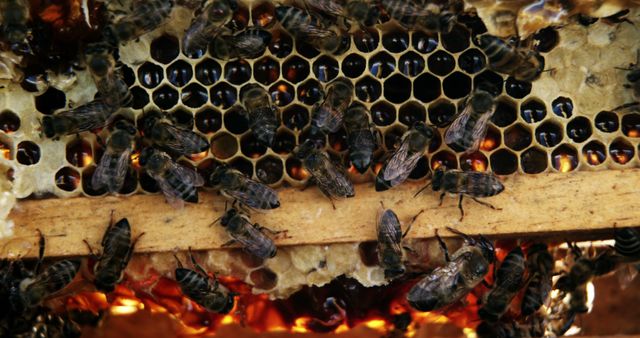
point(125, 125)
point(228, 215)
point(151, 159)
point(182, 274)
point(424, 129)
point(218, 174)
point(342, 87)
point(302, 151)
point(482, 101)
point(254, 96)
point(48, 126)
point(149, 121)
point(488, 250)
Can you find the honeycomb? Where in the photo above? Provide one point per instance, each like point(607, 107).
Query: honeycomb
point(561, 122)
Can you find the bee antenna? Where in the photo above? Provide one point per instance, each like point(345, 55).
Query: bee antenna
point(422, 189)
point(177, 260)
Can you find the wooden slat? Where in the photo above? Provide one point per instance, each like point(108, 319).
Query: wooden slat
point(542, 204)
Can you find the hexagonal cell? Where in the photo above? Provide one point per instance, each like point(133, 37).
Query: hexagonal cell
point(505, 113)
point(295, 170)
point(491, 140)
point(326, 68)
point(281, 44)
point(392, 137)
point(165, 97)
point(441, 113)
point(368, 252)
point(444, 158)
point(397, 89)
point(237, 72)
point(140, 98)
point(28, 153)
point(366, 40)
point(223, 145)
point(338, 140)
point(489, 81)
point(243, 165)
point(205, 168)
point(295, 69)
point(310, 92)
point(344, 46)
point(306, 50)
point(182, 118)
point(546, 39)
point(223, 95)
point(426, 88)
point(621, 151)
point(474, 161)
point(457, 40)
point(148, 184)
point(165, 48)
point(263, 14)
point(284, 142)
point(518, 137)
point(208, 120)
point(353, 65)
point(441, 63)
point(34, 80)
point(594, 153)
point(504, 162)
point(251, 147)
point(472, 61)
point(266, 71)
point(395, 41)
point(424, 43)
point(179, 73)
point(533, 110)
point(411, 64)
point(269, 170)
point(562, 106)
point(549, 134)
point(9, 121)
point(282, 93)
point(564, 158)
point(78, 153)
point(87, 187)
point(457, 85)
point(208, 72)
point(295, 117)
point(607, 121)
point(383, 113)
point(421, 170)
point(150, 75)
point(630, 125)
point(579, 129)
point(368, 89)
point(412, 112)
point(67, 179)
point(52, 100)
point(130, 183)
point(235, 122)
point(319, 139)
point(534, 160)
point(517, 89)
point(194, 95)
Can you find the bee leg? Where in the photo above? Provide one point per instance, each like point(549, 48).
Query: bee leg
point(485, 204)
point(41, 245)
point(91, 253)
point(443, 247)
point(411, 223)
point(271, 231)
point(460, 207)
point(441, 199)
point(229, 243)
point(200, 269)
point(132, 248)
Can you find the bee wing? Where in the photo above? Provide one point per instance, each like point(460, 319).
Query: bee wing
point(313, 31)
point(248, 44)
point(389, 229)
point(330, 7)
point(184, 141)
point(253, 241)
point(457, 129)
point(187, 174)
point(408, 8)
point(331, 179)
point(401, 163)
point(477, 183)
point(92, 115)
point(253, 194)
point(111, 171)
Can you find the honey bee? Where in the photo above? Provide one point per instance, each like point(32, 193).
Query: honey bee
point(308, 28)
point(404, 159)
point(117, 248)
point(390, 237)
point(447, 284)
point(108, 79)
point(361, 136)
point(361, 12)
point(469, 128)
point(14, 18)
point(584, 269)
point(176, 182)
point(327, 115)
point(207, 24)
point(175, 140)
point(202, 288)
point(261, 114)
point(512, 329)
point(540, 264)
point(465, 183)
point(236, 186)
point(116, 160)
point(250, 236)
point(633, 77)
point(246, 44)
point(93, 115)
point(524, 64)
point(144, 17)
point(506, 285)
point(330, 178)
point(431, 18)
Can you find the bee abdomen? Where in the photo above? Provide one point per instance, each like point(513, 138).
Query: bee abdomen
point(186, 191)
point(60, 274)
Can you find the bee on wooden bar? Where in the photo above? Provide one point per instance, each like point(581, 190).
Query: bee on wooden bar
point(236, 186)
point(363, 13)
point(308, 28)
point(404, 159)
point(246, 44)
point(524, 64)
point(107, 77)
point(540, 265)
point(362, 136)
point(117, 248)
point(465, 183)
point(93, 115)
point(14, 19)
point(329, 177)
point(390, 235)
point(432, 18)
point(208, 23)
point(116, 160)
point(469, 128)
point(176, 182)
point(144, 17)
point(506, 285)
point(175, 140)
point(250, 236)
point(463, 270)
point(327, 115)
point(202, 288)
point(261, 113)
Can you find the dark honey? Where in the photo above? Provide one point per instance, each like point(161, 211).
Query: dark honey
point(237, 72)
point(534, 160)
point(397, 89)
point(338, 140)
point(179, 73)
point(395, 41)
point(67, 179)
point(472, 61)
point(382, 65)
point(208, 120)
point(281, 44)
point(28, 153)
point(284, 142)
point(546, 39)
point(223, 95)
point(295, 69)
point(441, 63)
point(264, 279)
point(366, 40)
point(505, 113)
point(517, 137)
point(269, 170)
point(353, 65)
point(325, 68)
point(424, 43)
point(621, 151)
point(457, 85)
point(140, 97)
point(383, 114)
point(504, 162)
point(562, 106)
point(310, 92)
point(412, 112)
point(549, 134)
point(368, 89)
point(165, 48)
point(426, 88)
point(223, 146)
point(564, 158)
point(393, 137)
point(194, 95)
point(52, 100)
point(295, 117)
point(78, 153)
point(594, 153)
point(491, 140)
point(263, 14)
point(150, 75)
point(9, 121)
point(208, 72)
point(266, 71)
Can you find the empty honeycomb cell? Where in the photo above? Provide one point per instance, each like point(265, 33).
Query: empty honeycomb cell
point(421, 170)
point(546, 39)
point(223, 95)
point(411, 64)
point(9, 121)
point(621, 151)
point(549, 134)
point(491, 140)
point(282, 93)
point(397, 89)
point(87, 187)
point(562, 106)
point(52, 100)
point(533, 110)
point(368, 252)
point(140, 97)
point(281, 44)
point(441, 63)
point(251, 147)
point(310, 92)
point(240, 18)
point(235, 122)
point(208, 120)
point(150, 75)
point(594, 152)
point(607, 121)
point(426, 88)
point(306, 50)
point(411, 112)
point(474, 161)
point(28, 153)
point(194, 95)
point(128, 75)
point(148, 184)
point(34, 79)
point(534, 160)
point(243, 165)
point(457, 40)
point(472, 61)
point(182, 118)
point(208, 72)
point(444, 158)
point(441, 113)
point(263, 14)
point(383, 113)
point(165, 97)
point(366, 40)
point(564, 158)
point(165, 48)
point(393, 137)
point(295, 170)
point(423, 42)
point(295, 117)
point(517, 137)
point(130, 183)
point(237, 72)
point(338, 140)
point(67, 179)
point(266, 71)
point(504, 162)
point(631, 125)
point(489, 81)
point(517, 89)
point(326, 68)
point(295, 69)
point(395, 41)
point(505, 113)
point(223, 145)
point(369, 89)
point(579, 129)
point(456, 85)
point(79, 153)
point(179, 73)
point(353, 65)
point(318, 138)
point(284, 142)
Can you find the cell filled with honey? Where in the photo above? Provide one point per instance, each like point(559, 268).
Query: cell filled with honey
point(441, 63)
point(517, 137)
point(383, 113)
point(503, 162)
point(353, 65)
point(67, 179)
point(564, 158)
point(295, 117)
point(533, 110)
point(621, 151)
point(607, 121)
point(411, 64)
point(179, 73)
point(368, 89)
point(243, 165)
point(79, 153)
point(295, 69)
point(208, 71)
point(441, 113)
point(266, 70)
point(549, 134)
point(594, 153)
point(411, 112)
point(631, 125)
